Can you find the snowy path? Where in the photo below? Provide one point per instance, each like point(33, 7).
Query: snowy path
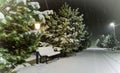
point(88, 61)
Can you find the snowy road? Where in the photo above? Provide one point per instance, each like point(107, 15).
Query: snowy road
point(89, 61)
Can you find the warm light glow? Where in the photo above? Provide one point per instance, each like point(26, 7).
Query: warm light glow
point(37, 26)
point(112, 24)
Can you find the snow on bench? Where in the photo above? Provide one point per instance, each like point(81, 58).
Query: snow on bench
point(45, 52)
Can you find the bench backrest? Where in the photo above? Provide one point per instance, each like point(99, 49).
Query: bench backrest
point(45, 50)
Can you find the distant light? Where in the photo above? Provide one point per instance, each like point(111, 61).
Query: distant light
point(37, 26)
point(112, 24)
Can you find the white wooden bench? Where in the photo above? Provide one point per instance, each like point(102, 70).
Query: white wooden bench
point(45, 52)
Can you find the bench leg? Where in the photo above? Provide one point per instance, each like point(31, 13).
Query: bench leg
point(46, 57)
point(37, 58)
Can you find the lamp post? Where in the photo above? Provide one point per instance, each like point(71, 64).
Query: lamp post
point(37, 27)
point(112, 24)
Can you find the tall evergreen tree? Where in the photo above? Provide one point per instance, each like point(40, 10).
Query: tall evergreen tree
point(78, 31)
point(66, 29)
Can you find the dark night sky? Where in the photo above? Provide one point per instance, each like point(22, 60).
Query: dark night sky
point(97, 13)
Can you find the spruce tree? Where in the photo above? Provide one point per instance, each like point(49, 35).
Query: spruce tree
point(66, 29)
point(110, 41)
point(106, 42)
point(77, 28)
point(100, 41)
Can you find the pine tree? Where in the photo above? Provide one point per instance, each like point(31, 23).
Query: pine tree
point(17, 35)
point(106, 42)
point(100, 41)
point(66, 29)
point(110, 42)
point(77, 28)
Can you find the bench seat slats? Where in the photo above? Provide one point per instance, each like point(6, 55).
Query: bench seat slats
point(52, 54)
point(47, 51)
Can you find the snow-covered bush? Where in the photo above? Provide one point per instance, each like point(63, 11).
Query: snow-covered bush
point(106, 42)
point(100, 41)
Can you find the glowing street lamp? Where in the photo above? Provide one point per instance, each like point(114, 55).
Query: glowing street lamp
point(37, 26)
point(112, 24)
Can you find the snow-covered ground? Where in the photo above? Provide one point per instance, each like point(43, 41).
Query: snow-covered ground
point(92, 60)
